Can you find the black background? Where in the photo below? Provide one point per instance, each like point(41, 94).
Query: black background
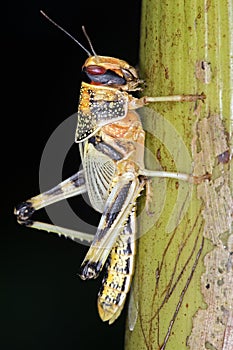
point(44, 304)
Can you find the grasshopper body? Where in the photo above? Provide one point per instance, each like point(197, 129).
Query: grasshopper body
point(111, 141)
point(112, 148)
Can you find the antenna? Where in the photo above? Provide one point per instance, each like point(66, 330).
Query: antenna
point(63, 30)
point(89, 41)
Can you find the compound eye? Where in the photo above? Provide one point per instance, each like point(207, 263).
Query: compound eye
point(95, 70)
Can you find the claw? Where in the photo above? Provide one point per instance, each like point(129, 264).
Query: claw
point(149, 197)
point(198, 179)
